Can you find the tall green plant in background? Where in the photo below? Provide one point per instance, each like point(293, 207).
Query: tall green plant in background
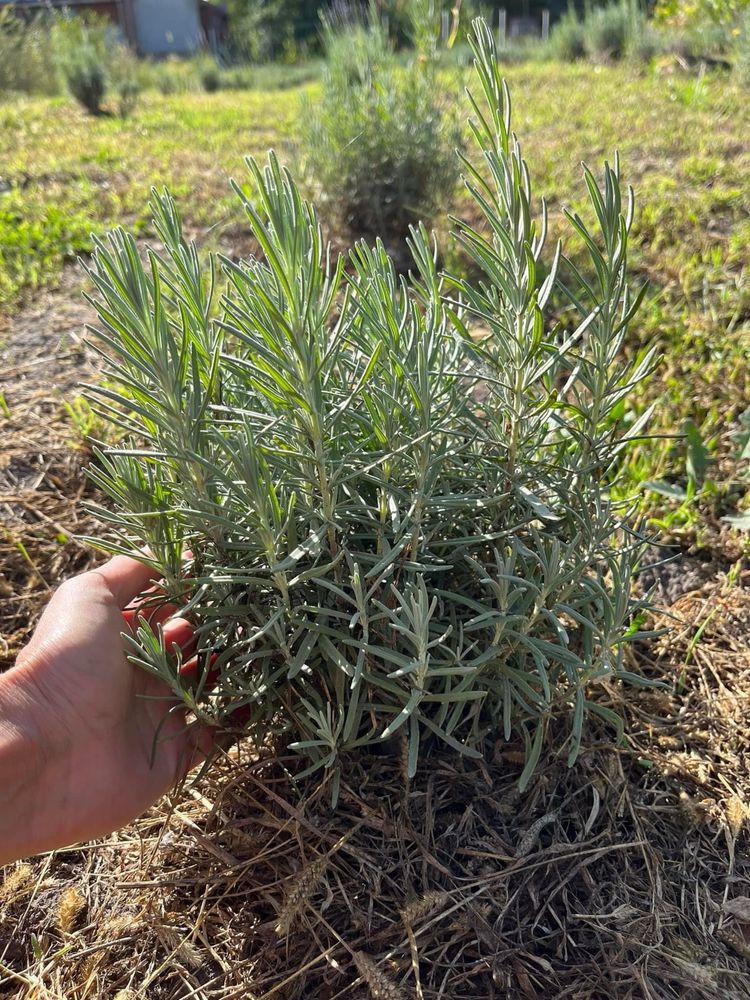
point(614, 31)
point(81, 50)
point(95, 62)
point(383, 501)
point(379, 144)
point(567, 38)
point(26, 55)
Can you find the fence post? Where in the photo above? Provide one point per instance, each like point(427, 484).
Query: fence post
point(445, 26)
point(545, 25)
point(502, 27)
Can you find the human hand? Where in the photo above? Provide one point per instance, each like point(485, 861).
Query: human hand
point(78, 721)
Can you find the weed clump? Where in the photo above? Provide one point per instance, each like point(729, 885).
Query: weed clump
point(394, 491)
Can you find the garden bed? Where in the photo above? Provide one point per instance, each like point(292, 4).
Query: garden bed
point(624, 877)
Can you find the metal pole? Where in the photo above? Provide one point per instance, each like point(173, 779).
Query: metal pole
point(545, 25)
point(502, 28)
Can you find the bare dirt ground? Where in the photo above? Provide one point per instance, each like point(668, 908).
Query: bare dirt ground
point(43, 361)
point(625, 877)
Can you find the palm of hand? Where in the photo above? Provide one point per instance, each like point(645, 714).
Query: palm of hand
point(98, 716)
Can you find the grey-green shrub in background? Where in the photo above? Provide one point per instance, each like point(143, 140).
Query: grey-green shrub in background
point(379, 145)
point(82, 49)
point(125, 78)
point(86, 80)
point(26, 55)
point(615, 31)
point(567, 37)
point(83, 53)
point(606, 30)
point(394, 491)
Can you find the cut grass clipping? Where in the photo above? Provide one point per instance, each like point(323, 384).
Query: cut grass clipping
point(394, 491)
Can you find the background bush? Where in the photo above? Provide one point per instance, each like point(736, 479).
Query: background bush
point(379, 145)
point(567, 37)
point(27, 59)
point(126, 78)
point(83, 50)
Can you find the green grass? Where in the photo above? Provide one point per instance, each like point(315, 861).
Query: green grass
point(70, 174)
point(683, 145)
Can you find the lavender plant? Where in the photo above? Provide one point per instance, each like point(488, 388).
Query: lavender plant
point(382, 500)
point(379, 144)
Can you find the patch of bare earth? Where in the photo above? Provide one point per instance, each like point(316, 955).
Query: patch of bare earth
point(43, 362)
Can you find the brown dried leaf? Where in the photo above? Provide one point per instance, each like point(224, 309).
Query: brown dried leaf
point(739, 907)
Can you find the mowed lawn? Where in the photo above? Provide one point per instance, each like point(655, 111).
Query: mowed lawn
point(684, 144)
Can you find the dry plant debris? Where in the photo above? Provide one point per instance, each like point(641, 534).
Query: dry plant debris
point(42, 362)
point(625, 877)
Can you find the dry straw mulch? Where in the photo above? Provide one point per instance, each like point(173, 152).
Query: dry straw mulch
point(43, 361)
point(625, 877)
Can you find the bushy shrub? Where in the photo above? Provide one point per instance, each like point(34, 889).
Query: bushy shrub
point(86, 80)
point(211, 78)
point(126, 78)
point(606, 30)
point(26, 55)
point(379, 520)
point(645, 42)
point(567, 37)
point(82, 51)
point(620, 29)
point(379, 145)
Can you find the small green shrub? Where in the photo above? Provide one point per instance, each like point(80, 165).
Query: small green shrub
point(645, 42)
point(125, 77)
point(86, 80)
point(615, 31)
point(567, 38)
point(83, 46)
point(26, 55)
point(211, 79)
point(394, 491)
point(606, 31)
point(379, 145)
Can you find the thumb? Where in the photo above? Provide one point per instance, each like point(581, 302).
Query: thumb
point(125, 578)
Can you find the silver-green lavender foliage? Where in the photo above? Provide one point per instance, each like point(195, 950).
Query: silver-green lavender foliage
point(393, 491)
